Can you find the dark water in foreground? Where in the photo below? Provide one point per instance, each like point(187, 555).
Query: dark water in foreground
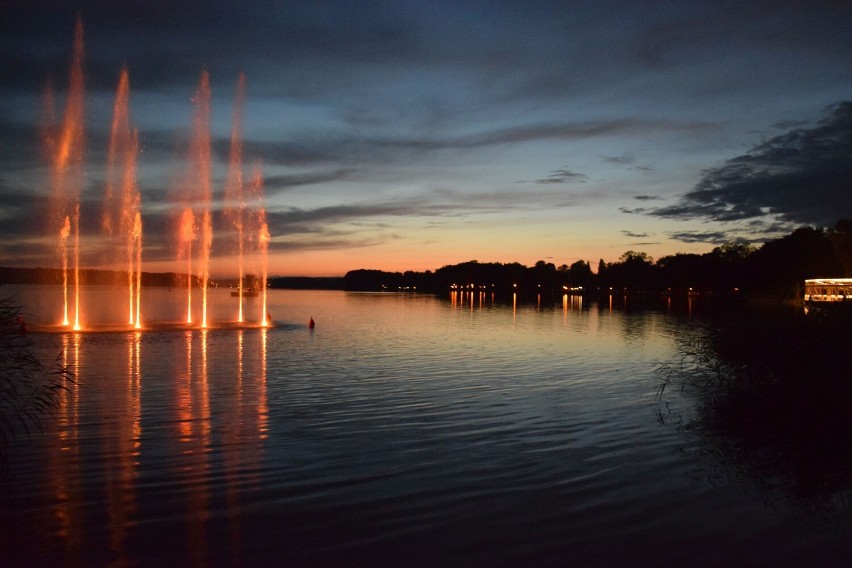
point(403, 430)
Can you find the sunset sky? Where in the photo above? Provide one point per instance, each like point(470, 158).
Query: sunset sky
point(406, 135)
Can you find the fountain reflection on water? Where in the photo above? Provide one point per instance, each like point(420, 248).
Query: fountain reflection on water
point(109, 386)
point(410, 420)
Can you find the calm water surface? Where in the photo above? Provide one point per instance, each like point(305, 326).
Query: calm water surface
point(410, 430)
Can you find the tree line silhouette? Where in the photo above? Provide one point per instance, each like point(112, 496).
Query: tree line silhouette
point(775, 270)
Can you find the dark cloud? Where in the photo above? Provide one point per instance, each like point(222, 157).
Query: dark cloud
point(295, 153)
point(550, 131)
point(563, 176)
point(712, 237)
point(457, 202)
point(287, 219)
point(442, 203)
point(803, 176)
point(633, 235)
point(619, 160)
point(15, 207)
point(298, 222)
point(753, 231)
point(736, 26)
point(647, 197)
point(284, 182)
point(716, 237)
point(625, 160)
point(329, 243)
point(164, 43)
point(790, 124)
point(636, 210)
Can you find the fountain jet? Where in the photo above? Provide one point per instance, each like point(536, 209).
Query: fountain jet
point(186, 234)
point(234, 200)
point(68, 173)
point(262, 239)
point(136, 246)
point(64, 233)
point(123, 216)
point(200, 151)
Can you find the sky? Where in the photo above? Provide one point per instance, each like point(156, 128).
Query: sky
point(402, 135)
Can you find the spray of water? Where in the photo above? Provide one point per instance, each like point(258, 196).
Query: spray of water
point(262, 236)
point(187, 234)
point(121, 217)
point(67, 166)
point(64, 233)
point(234, 200)
point(263, 239)
point(137, 246)
point(200, 150)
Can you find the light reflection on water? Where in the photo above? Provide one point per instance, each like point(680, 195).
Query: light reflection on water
point(405, 428)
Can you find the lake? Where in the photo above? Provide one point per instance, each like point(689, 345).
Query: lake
point(403, 430)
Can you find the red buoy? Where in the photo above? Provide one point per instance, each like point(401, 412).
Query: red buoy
point(311, 323)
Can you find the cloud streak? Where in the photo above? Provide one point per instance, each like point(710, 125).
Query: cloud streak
point(289, 181)
point(549, 131)
point(563, 175)
point(627, 161)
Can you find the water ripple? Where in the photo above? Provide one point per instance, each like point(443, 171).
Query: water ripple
point(400, 429)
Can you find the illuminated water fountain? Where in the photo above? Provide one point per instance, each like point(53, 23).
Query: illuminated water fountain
point(186, 234)
point(67, 171)
point(201, 163)
point(234, 200)
point(262, 242)
point(122, 219)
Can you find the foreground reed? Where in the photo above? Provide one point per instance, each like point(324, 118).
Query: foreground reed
point(774, 379)
point(29, 389)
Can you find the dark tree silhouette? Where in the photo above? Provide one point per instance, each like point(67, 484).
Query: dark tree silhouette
point(779, 268)
point(776, 270)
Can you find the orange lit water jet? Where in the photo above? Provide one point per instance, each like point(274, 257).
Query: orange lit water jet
point(200, 151)
point(64, 232)
point(262, 240)
point(137, 246)
point(120, 125)
point(123, 216)
point(67, 169)
point(186, 234)
point(132, 228)
point(234, 200)
point(77, 326)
